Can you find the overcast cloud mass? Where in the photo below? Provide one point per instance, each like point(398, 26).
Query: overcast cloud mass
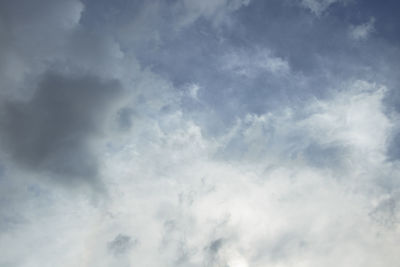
point(215, 133)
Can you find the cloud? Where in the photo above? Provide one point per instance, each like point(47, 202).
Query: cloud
point(253, 63)
point(24, 28)
point(239, 211)
point(319, 6)
point(351, 124)
point(224, 133)
point(53, 131)
point(215, 11)
point(121, 244)
point(193, 90)
point(168, 188)
point(362, 31)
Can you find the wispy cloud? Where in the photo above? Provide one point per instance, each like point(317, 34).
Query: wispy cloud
point(362, 31)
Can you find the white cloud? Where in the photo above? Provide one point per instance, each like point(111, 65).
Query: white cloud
point(319, 6)
point(253, 63)
point(250, 206)
point(362, 31)
point(167, 191)
point(193, 90)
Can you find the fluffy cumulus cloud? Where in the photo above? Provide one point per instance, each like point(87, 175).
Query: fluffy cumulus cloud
point(187, 133)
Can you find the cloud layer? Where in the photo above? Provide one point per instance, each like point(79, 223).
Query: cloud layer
point(187, 133)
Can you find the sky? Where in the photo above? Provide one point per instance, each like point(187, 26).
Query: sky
point(199, 133)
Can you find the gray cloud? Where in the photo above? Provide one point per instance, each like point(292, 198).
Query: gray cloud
point(52, 131)
point(125, 118)
point(216, 245)
point(121, 244)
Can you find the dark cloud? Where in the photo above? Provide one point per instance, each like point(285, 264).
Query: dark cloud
point(393, 150)
point(52, 132)
point(10, 221)
point(216, 245)
point(125, 118)
point(214, 252)
point(121, 244)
